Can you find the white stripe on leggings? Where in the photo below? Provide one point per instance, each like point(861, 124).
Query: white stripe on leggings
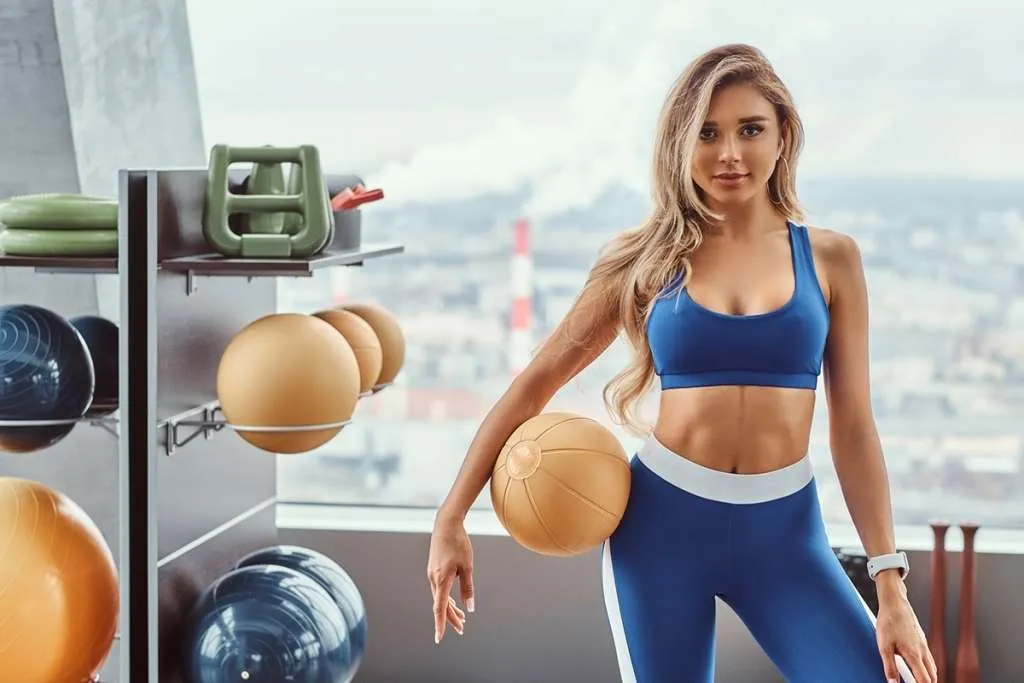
point(611, 604)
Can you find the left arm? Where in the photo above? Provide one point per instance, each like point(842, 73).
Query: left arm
point(856, 447)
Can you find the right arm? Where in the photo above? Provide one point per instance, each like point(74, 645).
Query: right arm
point(584, 333)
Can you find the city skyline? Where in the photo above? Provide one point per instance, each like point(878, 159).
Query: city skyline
point(947, 342)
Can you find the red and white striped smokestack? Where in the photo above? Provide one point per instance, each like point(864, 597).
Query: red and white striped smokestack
point(521, 338)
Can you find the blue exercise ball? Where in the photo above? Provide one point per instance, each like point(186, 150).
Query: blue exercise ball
point(332, 577)
point(265, 624)
point(46, 374)
point(102, 338)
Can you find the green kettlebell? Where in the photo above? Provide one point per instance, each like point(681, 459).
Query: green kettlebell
point(306, 197)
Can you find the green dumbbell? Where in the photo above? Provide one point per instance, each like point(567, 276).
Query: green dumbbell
point(293, 221)
point(307, 197)
point(267, 179)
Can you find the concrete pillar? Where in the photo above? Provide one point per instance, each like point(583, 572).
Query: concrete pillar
point(89, 87)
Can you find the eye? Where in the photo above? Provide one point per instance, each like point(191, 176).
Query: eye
point(707, 134)
point(752, 129)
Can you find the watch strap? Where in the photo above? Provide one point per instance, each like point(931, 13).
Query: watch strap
point(897, 560)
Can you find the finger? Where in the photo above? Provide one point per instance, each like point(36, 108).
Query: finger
point(455, 606)
point(441, 608)
point(908, 668)
point(468, 592)
point(454, 609)
point(933, 670)
point(456, 616)
point(458, 623)
point(889, 661)
point(920, 672)
point(920, 669)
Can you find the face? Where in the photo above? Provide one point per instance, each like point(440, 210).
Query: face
point(738, 146)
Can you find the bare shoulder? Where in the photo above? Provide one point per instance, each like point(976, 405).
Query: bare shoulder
point(834, 247)
point(838, 258)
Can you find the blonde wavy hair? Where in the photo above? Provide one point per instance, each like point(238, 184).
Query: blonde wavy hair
point(641, 262)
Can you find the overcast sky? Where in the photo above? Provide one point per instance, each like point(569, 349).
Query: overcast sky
point(454, 97)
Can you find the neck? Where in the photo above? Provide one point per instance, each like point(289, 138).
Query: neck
point(746, 220)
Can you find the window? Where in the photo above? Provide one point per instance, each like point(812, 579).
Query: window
point(476, 116)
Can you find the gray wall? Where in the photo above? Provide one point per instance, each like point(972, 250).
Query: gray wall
point(124, 94)
point(88, 92)
point(541, 619)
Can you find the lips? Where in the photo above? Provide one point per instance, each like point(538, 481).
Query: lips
point(731, 176)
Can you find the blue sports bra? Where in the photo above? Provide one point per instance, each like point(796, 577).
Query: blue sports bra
point(694, 346)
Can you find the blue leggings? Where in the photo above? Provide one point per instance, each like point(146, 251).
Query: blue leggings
point(757, 542)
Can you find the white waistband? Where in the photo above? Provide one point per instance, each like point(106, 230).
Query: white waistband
point(724, 486)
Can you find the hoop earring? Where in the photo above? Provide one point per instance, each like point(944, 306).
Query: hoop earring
point(786, 164)
point(789, 174)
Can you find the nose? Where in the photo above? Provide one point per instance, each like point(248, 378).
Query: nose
point(729, 150)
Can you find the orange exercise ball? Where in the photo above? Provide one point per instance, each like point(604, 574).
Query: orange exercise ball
point(59, 598)
point(288, 370)
point(389, 334)
point(560, 484)
point(363, 340)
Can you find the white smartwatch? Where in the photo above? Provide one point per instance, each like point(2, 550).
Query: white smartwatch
point(891, 561)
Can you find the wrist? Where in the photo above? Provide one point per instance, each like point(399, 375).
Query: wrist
point(447, 516)
point(889, 585)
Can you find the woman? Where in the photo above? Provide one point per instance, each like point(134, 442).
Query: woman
point(734, 308)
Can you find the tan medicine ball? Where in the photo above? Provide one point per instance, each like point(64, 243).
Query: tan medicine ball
point(363, 340)
point(288, 370)
point(560, 484)
point(389, 333)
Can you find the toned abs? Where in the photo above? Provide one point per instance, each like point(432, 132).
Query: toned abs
point(743, 430)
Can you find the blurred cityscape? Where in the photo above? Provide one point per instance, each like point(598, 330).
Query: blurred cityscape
point(945, 270)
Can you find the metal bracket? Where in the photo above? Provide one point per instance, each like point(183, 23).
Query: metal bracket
point(192, 282)
point(203, 427)
point(103, 423)
point(210, 423)
point(107, 424)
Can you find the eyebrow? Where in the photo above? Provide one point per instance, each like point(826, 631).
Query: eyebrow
point(746, 119)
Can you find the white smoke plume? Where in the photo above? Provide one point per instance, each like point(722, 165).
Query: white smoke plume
point(869, 82)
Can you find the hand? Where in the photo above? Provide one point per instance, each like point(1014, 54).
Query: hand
point(451, 555)
point(900, 633)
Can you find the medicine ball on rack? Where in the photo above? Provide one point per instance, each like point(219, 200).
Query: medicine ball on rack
point(362, 339)
point(389, 333)
point(283, 372)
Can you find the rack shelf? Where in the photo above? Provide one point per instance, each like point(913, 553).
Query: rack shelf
point(61, 264)
point(218, 265)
